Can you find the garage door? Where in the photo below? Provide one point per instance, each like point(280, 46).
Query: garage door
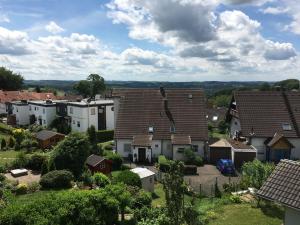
point(241, 157)
point(217, 153)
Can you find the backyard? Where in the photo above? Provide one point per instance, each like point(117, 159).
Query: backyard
point(7, 156)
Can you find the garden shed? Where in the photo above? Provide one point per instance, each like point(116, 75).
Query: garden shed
point(146, 176)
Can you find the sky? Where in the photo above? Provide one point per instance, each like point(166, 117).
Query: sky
point(151, 40)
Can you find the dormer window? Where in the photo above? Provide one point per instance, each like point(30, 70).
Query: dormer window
point(286, 126)
point(151, 129)
point(172, 129)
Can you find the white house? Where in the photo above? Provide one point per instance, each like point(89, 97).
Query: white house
point(147, 178)
point(269, 121)
point(153, 122)
point(84, 114)
point(21, 111)
point(282, 187)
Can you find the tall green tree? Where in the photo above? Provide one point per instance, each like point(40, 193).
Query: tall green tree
point(9, 80)
point(71, 153)
point(93, 85)
point(174, 188)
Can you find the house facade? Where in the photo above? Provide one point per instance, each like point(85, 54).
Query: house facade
point(269, 121)
point(20, 112)
point(153, 122)
point(99, 113)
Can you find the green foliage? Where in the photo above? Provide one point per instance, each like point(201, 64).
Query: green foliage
point(174, 188)
point(288, 84)
point(44, 168)
point(36, 161)
point(101, 180)
point(5, 129)
point(221, 100)
point(71, 153)
point(11, 142)
point(94, 84)
point(92, 135)
point(33, 187)
point(142, 198)
point(2, 177)
point(21, 189)
point(163, 163)
point(2, 168)
point(3, 144)
point(21, 161)
point(9, 80)
point(151, 216)
point(60, 125)
point(129, 178)
point(105, 135)
point(191, 215)
point(235, 199)
point(57, 179)
point(61, 208)
point(29, 144)
point(223, 127)
point(218, 193)
point(35, 128)
point(87, 178)
point(116, 159)
point(255, 173)
point(191, 158)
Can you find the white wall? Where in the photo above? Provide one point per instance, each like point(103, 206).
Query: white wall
point(295, 154)
point(258, 143)
point(235, 125)
point(167, 149)
point(148, 183)
point(47, 114)
point(3, 108)
point(179, 155)
point(292, 216)
point(110, 117)
point(22, 114)
point(120, 147)
point(201, 147)
point(84, 117)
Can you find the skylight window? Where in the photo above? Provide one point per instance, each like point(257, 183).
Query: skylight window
point(150, 129)
point(215, 118)
point(286, 126)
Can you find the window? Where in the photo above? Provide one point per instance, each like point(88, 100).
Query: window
point(93, 111)
point(102, 166)
point(215, 118)
point(127, 147)
point(286, 126)
point(73, 121)
point(44, 121)
point(78, 123)
point(30, 108)
point(71, 110)
point(150, 129)
point(172, 129)
point(44, 111)
point(180, 150)
point(195, 148)
point(17, 109)
point(112, 108)
point(156, 145)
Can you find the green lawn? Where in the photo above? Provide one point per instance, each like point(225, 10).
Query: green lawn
point(7, 156)
point(245, 214)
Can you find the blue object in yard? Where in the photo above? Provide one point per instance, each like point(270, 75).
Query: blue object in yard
point(225, 166)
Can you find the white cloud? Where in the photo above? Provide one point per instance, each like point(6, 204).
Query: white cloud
point(53, 28)
point(4, 19)
point(279, 51)
point(247, 2)
point(274, 10)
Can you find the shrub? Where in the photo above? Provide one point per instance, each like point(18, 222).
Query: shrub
point(191, 158)
point(199, 161)
point(11, 142)
point(2, 177)
point(142, 198)
point(129, 178)
point(105, 135)
point(57, 179)
point(235, 199)
point(21, 161)
point(87, 178)
point(21, 189)
point(5, 129)
point(3, 168)
point(163, 163)
point(44, 168)
point(218, 193)
point(36, 161)
point(116, 159)
point(3, 143)
point(29, 144)
point(100, 179)
point(33, 187)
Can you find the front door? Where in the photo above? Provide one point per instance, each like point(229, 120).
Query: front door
point(101, 118)
point(142, 155)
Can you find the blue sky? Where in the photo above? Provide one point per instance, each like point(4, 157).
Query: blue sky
point(162, 40)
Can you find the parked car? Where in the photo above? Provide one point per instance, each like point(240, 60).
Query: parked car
point(225, 166)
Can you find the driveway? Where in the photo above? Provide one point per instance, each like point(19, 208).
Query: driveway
point(206, 179)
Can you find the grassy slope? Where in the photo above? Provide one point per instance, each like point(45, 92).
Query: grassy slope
point(7, 156)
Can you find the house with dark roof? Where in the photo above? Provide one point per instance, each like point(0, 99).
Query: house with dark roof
point(97, 163)
point(153, 122)
point(283, 187)
point(48, 138)
point(267, 120)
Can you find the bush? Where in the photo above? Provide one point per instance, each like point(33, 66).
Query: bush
point(87, 178)
point(11, 142)
point(3, 169)
point(129, 178)
point(29, 144)
point(36, 161)
point(199, 161)
point(21, 161)
point(191, 158)
point(21, 189)
point(5, 129)
point(235, 199)
point(100, 179)
point(141, 199)
point(163, 163)
point(33, 187)
point(116, 159)
point(190, 170)
point(2, 177)
point(105, 135)
point(57, 179)
point(3, 144)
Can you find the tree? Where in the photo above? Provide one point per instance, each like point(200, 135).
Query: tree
point(129, 178)
point(11, 142)
point(10, 81)
point(71, 153)
point(101, 180)
point(92, 135)
point(38, 89)
point(223, 126)
point(3, 144)
point(57, 179)
point(174, 188)
point(94, 84)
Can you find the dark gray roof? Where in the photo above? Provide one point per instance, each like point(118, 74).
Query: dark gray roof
point(283, 185)
point(94, 160)
point(45, 134)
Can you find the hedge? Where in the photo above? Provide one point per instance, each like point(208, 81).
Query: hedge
point(57, 179)
point(105, 135)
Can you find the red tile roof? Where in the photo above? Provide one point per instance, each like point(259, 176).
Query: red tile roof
point(9, 96)
point(143, 108)
point(264, 112)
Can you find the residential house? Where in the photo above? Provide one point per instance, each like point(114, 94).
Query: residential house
point(153, 122)
point(48, 138)
point(237, 151)
point(267, 120)
point(84, 114)
point(20, 112)
point(97, 163)
point(283, 187)
point(147, 178)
